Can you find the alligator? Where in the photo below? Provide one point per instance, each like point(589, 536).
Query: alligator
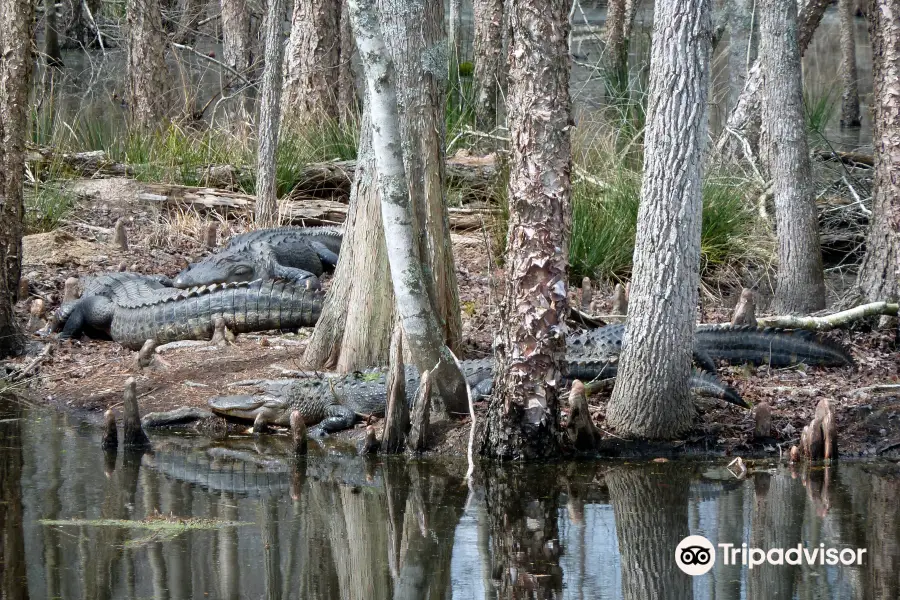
point(296, 253)
point(138, 308)
point(333, 402)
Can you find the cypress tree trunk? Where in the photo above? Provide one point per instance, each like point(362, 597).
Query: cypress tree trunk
point(236, 34)
point(651, 397)
point(269, 118)
point(850, 95)
point(800, 285)
point(423, 335)
point(740, 32)
point(743, 122)
point(147, 74)
point(489, 64)
point(348, 97)
point(615, 51)
point(311, 67)
point(15, 79)
point(523, 417)
point(879, 274)
point(52, 54)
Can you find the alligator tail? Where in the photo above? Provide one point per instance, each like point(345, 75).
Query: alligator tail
point(707, 384)
point(770, 346)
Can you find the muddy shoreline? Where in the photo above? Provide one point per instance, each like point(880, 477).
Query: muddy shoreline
point(88, 376)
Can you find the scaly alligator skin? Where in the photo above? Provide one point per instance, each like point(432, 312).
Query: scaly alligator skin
point(135, 314)
point(295, 253)
point(92, 312)
point(333, 402)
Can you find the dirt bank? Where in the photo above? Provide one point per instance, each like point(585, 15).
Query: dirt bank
point(89, 374)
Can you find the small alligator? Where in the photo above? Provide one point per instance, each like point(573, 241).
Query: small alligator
point(133, 309)
point(297, 253)
point(333, 402)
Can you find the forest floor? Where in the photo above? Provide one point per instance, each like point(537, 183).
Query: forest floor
point(89, 375)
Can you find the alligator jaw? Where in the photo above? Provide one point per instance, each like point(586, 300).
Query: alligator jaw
point(248, 408)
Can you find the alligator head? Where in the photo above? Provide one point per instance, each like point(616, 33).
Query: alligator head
point(233, 266)
point(247, 408)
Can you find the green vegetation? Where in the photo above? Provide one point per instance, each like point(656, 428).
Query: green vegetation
point(45, 206)
point(820, 105)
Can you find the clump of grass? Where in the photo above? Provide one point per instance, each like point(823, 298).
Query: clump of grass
point(46, 207)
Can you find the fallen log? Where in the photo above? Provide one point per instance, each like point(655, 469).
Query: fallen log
point(308, 212)
point(829, 322)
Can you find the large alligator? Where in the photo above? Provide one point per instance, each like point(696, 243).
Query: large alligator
point(130, 310)
point(297, 253)
point(334, 402)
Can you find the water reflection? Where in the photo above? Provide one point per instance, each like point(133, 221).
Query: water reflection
point(334, 525)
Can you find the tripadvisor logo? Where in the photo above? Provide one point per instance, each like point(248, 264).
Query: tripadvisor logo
point(696, 555)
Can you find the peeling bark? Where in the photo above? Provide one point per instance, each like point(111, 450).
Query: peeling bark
point(651, 397)
point(800, 284)
point(879, 274)
point(269, 118)
point(489, 67)
point(850, 94)
point(147, 74)
point(523, 416)
point(745, 118)
point(311, 66)
point(15, 79)
point(420, 325)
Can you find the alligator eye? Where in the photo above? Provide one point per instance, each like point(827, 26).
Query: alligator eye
point(242, 270)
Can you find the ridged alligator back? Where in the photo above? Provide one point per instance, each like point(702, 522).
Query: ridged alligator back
point(190, 314)
point(275, 236)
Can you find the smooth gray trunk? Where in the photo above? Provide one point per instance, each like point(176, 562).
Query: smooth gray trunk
point(651, 397)
point(800, 283)
point(523, 417)
point(850, 94)
point(269, 118)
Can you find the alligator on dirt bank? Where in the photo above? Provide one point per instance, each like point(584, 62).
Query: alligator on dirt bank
point(334, 402)
point(300, 254)
point(130, 309)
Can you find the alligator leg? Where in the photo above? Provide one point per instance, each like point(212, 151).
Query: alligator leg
point(297, 275)
point(327, 257)
point(704, 360)
point(337, 417)
point(74, 324)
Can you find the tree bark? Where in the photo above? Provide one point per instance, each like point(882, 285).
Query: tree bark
point(651, 519)
point(236, 35)
point(269, 118)
point(800, 284)
point(147, 74)
point(348, 96)
point(740, 30)
point(312, 64)
point(52, 54)
point(411, 33)
point(850, 94)
point(421, 327)
point(615, 51)
point(488, 49)
point(651, 396)
point(523, 417)
point(354, 329)
point(879, 274)
point(631, 8)
point(743, 122)
point(15, 80)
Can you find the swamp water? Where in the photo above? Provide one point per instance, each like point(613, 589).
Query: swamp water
point(197, 518)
